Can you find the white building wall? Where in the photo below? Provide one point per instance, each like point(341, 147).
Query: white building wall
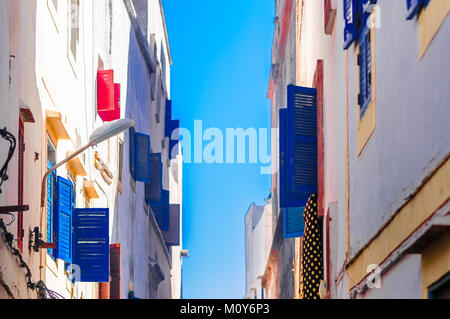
point(258, 240)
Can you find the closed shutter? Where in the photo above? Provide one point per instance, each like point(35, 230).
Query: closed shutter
point(50, 214)
point(91, 244)
point(350, 7)
point(413, 7)
point(365, 71)
point(172, 235)
point(154, 188)
point(142, 158)
point(114, 259)
point(293, 222)
point(63, 219)
point(161, 211)
point(168, 118)
point(132, 149)
point(21, 142)
point(302, 166)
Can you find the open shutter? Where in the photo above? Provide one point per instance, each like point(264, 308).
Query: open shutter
point(63, 219)
point(172, 235)
point(132, 140)
point(154, 188)
point(50, 207)
point(161, 211)
point(283, 156)
point(293, 222)
point(413, 7)
point(301, 145)
point(108, 96)
point(142, 158)
point(105, 90)
point(350, 7)
point(91, 244)
point(116, 113)
point(114, 259)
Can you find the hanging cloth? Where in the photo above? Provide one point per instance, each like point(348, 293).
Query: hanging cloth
point(312, 257)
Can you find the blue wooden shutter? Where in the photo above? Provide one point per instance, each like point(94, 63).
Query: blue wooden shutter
point(168, 118)
point(293, 222)
point(154, 188)
point(283, 156)
point(142, 158)
point(161, 211)
point(132, 139)
point(91, 244)
point(63, 219)
point(172, 235)
point(365, 70)
point(174, 138)
point(413, 7)
point(301, 145)
point(50, 213)
point(350, 7)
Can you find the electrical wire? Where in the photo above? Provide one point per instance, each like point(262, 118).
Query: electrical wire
point(13, 218)
point(12, 141)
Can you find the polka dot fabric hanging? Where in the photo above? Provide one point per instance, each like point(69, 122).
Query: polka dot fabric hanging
point(312, 259)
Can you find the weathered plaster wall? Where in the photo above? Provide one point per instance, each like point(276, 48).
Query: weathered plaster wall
point(135, 226)
point(411, 136)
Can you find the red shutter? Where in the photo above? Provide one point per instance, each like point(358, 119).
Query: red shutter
point(103, 290)
point(20, 190)
point(108, 96)
point(114, 262)
point(116, 101)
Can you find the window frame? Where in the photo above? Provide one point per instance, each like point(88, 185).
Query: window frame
point(70, 54)
point(366, 123)
point(54, 10)
point(53, 162)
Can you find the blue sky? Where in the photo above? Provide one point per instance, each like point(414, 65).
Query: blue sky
point(221, 52)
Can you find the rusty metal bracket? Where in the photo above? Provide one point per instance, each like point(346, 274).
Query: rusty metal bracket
point(10, 209)
point(35, 242)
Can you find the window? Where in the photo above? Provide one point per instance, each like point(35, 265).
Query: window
point(431, 16)
point(441, 289)
point(74, 25)
point(366, 72)
point(51, 161)
point(53, 8)
point(139, 156)
point(21, 149)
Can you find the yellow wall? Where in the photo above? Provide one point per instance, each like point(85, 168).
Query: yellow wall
point(435, 263)
point(434, 193)
point(430, 20)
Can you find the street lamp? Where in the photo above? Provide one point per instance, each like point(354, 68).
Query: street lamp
point(101, 134)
